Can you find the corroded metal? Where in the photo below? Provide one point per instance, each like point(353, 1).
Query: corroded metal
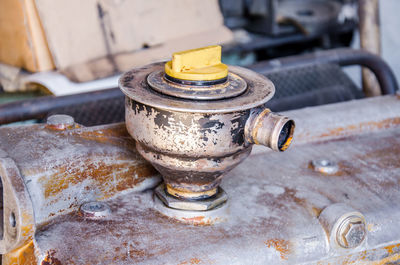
point(47, 172)
point(275, 207)
point(269, 129)
point(194, 143)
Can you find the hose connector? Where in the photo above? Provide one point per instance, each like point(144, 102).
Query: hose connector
point(272, 130)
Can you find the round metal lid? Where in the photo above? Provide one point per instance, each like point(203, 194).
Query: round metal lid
point(232, 87)
point(134, 84)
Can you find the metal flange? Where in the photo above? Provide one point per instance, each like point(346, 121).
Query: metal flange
point(232, 87)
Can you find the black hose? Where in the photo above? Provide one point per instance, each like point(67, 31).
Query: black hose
point(343, 57)
point(39, 107)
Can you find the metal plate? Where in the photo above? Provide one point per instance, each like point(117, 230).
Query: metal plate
point(275, 200)
point(259, 90)
point(274, 208)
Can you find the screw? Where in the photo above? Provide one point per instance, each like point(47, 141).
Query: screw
point(351, 232)
point(324, 166)
point(94, 210)
point(60, 122)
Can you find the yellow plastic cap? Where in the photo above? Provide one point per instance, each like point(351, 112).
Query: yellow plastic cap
point(202, 64)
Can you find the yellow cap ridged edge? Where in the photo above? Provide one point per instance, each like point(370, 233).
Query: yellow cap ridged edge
point(202, 64)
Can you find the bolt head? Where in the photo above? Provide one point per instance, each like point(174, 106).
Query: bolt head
point(195, 205)
point(95, 210)
point(60, 122)
point(325, 166)
point(352, 232)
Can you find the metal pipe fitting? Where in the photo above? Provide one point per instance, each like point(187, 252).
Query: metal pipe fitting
point(194, 132)
point(272, 130)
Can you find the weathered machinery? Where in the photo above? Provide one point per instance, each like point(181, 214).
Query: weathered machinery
point(90, 195)
point(194, 121)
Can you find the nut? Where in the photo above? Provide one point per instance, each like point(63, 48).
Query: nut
point(324, 166)
point(351, 232)
point(60, 122)
point(193, 205)
point(94, 210)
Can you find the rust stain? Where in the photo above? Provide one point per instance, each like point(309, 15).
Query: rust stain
point(370, 257)
point(27, 230)
point(344, 169)
point(280, 245)
point(61, 127)
point(390, 249)
point(49, 259)
point(192, 261)
point(365, 126)
point(317, 211)
point(386, 158)
point(114, 134)
point(22, 256)
point(109, 178)
point(199, 221)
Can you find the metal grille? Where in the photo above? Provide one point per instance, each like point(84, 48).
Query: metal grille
point(310, 86)
point(96, 112)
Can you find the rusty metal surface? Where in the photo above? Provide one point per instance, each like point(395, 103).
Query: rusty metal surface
point(62, 168)
point(274, 203)
point(190, 150)
point(194, 143)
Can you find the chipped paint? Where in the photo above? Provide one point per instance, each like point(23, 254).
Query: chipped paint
point(280, 245)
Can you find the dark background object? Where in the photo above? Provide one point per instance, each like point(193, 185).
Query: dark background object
point(300, 81)
point(311, 85)
point(279, 28)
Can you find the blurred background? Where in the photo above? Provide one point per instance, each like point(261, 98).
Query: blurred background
point(66, 56)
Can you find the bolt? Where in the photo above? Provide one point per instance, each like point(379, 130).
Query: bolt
point(60, 122)
point(324, 166)
point(95, 210)
point(191, 205)
point(351, 232)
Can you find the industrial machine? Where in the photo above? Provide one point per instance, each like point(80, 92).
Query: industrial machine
point(186, 178)
point(276, 28)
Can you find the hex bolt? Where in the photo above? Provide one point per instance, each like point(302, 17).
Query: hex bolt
point(60, 122)
point(191, 205)
point(95, 210)
point(325, 166)
point(351, 232)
